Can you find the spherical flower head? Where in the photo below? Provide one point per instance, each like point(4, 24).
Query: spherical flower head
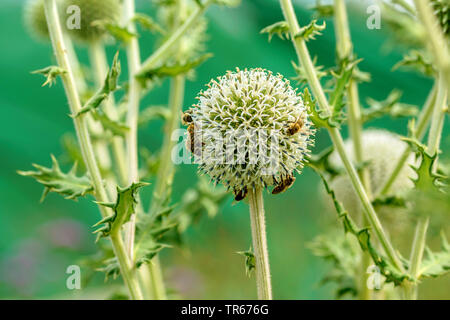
point(250, 128)
point(92, 13)
point(34, 17)
point(441, 10)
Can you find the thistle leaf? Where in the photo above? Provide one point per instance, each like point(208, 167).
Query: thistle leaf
point(153, 113)
point(111, 268)
point(120, 33)
point(363, 236)
point(390, 106)
point(115, 127)
point(301, 74)
point(68, 184)
point(280, 28)
point(123, 208)
point(146, 256)
point(148, 23)
point(110, 85)
point(323, 10)
point(249, 261)
point(50, 73)
point(415, 60)
point(310, 31)
point(319, 117)
point(172, 70)
point(436, 263)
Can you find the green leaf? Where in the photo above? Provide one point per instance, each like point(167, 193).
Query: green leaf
point(123, 208)
point(390, 106)
point(416, 61)
point(321, 162)
point(68, 184)
point(172, 70)
point(110, 85)
point(320, 118)
point(111, 268)
point(310, 31)
point(427, 177)
point(363, 236)
point(146, 256)
point(301, 77)
point(115, 127)
point(120, 33)
point(249, 261)
point(153, 113)
point(50, 73)
point(436, 263)
point(323, 10)
point(280, 28)
point(342, 79)
point(148, 23)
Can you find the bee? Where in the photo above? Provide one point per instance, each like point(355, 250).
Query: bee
point(296, 126)
point(284, 184)
point(186, 118)
point(192, 142)
point(240, 195)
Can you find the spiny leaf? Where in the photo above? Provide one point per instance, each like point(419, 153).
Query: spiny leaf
point(415, 60)
point(280, 28)
point(323, 10)
point(342, 79)
point(390, 106)
point(249, 261)
point(50, 73)
point(321, 162)
point(172, 70)
point(145, 256)
point(115, 127)
point(68, 184)
point(110, 85)
point(301, 74)
point(111, 269)
point(123, 208)
point(391, 273)
point(427, 177)
point(320, 118)
point(148, 23)
point(120, 33)
point(436, 263)
point(310, 31)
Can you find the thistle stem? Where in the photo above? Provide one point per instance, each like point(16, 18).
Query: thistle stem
point(257, 218)
point(437, 121)
point(305, 60)
point(173, 39)
point(56, 35)
point(345, 50)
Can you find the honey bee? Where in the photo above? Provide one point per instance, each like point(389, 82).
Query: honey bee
point(240, 195)
point(186, 118)
point(192, 143)
point(284, 184)
point(296, 126)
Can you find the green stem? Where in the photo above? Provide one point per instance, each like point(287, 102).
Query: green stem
point(173, 39)
point(345, 50)
point(435, 38)
point(157, 280)
point(437, 120)
point(306, 62)
point(54, 26)
point(257, 219)
point(420, 131)
point(418, 248)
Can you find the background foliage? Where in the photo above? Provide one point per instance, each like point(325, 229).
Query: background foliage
point(38, 241)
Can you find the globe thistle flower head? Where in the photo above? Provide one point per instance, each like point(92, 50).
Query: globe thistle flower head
point(441, 10)
point(92, 14)
point(250, 128)
point(34, 17)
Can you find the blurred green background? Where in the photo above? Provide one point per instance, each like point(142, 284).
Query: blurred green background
point(38, 241)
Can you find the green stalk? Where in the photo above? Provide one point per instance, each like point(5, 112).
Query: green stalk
point(174, 38)
point(345, 50)
point(437, 121)
point(435, 38)
point(258, 225)
point(420, 130)
point(56, 35)
point(306, 62)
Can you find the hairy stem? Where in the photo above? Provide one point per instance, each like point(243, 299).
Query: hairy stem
point(345, 50)
point(56, 35)
point(258, 224)
point(305, 60)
